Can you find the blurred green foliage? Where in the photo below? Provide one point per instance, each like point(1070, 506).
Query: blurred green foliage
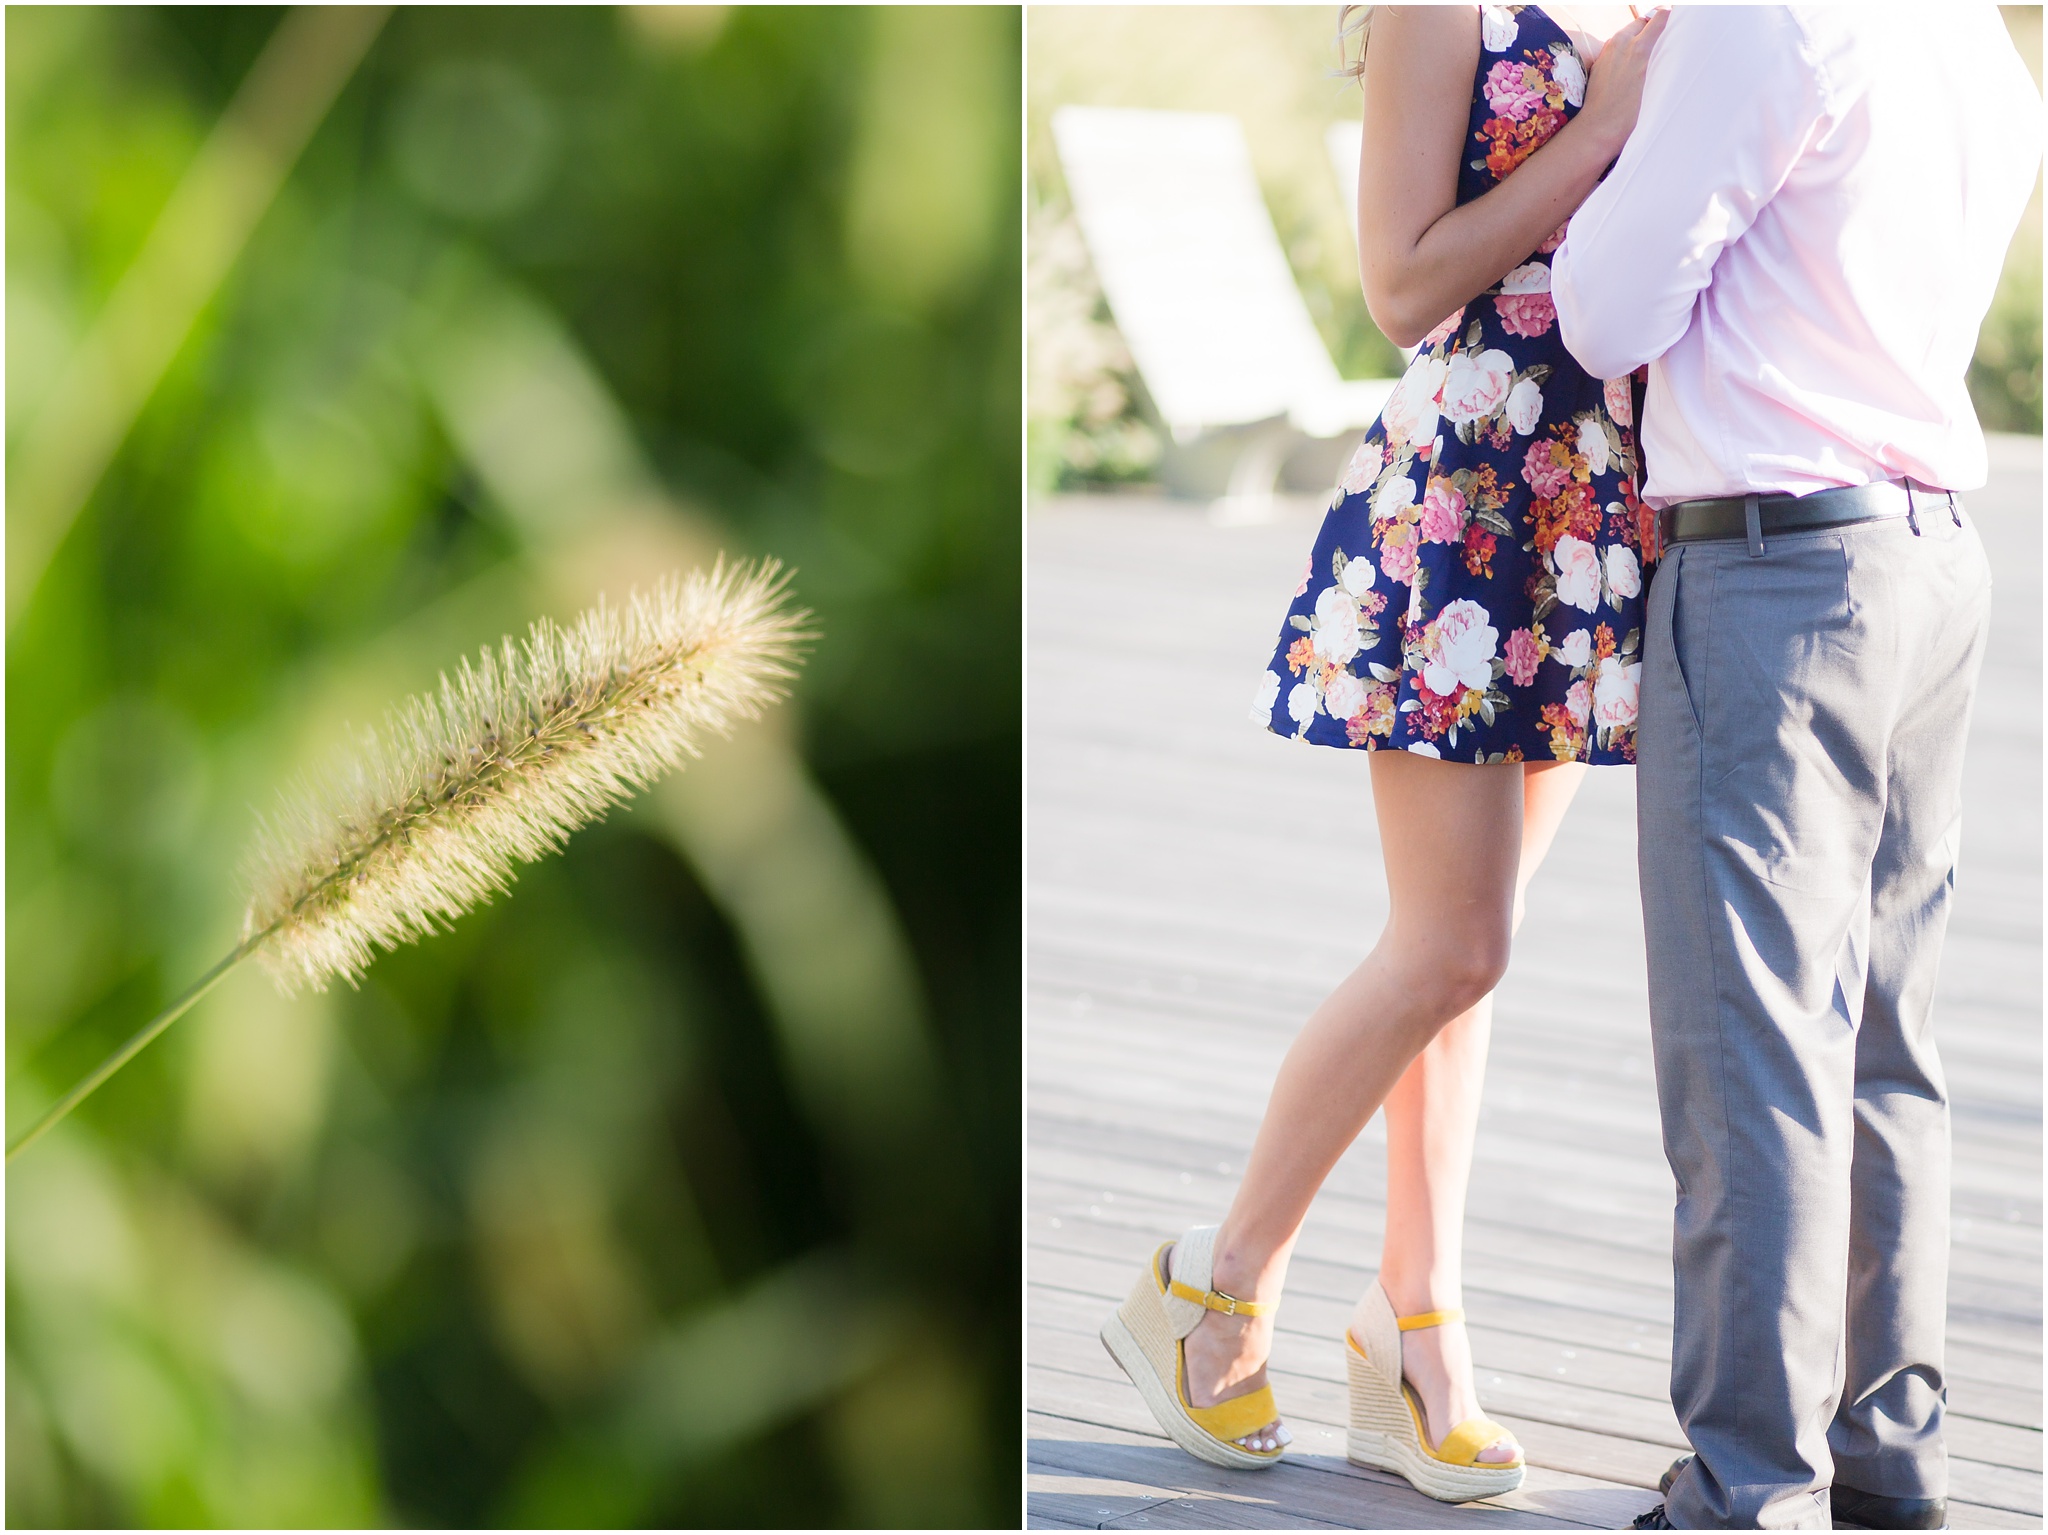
point(580, 1214)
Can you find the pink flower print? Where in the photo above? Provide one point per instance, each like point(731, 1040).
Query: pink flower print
point(1524, 304)
point(1521, 655)
point(1525, 314)
point(1556, 239)
point(1513, 90)
point(1442, 333)
point(1545, 475)
point(1443, 513)
point(1578, 699)
point(1621, 408)
point(1308, 569)
point(1397, 552)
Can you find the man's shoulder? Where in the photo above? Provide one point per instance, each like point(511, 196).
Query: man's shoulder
point(1852, 46)
point(1748, 52)
point(1754, 24)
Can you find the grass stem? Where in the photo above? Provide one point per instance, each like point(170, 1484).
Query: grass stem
point(142, 1037)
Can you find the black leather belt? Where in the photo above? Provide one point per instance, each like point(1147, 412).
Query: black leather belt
point(1751, 517)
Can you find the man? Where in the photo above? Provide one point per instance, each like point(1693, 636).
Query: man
point(1801, 240)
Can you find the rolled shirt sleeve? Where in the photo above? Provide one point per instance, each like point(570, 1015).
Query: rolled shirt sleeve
point(1731, 100)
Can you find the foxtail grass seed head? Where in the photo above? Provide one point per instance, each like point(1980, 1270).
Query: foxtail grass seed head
point(512, 754)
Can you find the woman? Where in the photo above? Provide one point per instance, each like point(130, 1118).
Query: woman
point(1471, 616)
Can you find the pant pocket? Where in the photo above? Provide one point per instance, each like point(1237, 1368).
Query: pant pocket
point(1681, 602)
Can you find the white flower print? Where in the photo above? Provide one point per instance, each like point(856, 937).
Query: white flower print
point(1624, 573)
point(1267, 696)
point(1343, 695)
point(1529, 277)
point(1593, 443)
point(1497, 28)
point(1424, 749)
point(1358, 577)
point(1578, 701)
point(1476, 386)
point(1363, 469)
point(1576, 650)
point(1615, 692)
point(1569, 73)
point(1410, 412)
point(1336, 632)
point(1395, 497)
point(1302, 703)
point(1457, 649)
point(1578, 573)
point(1525, 406)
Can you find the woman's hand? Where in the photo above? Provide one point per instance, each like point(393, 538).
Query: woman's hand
point(1614, 89)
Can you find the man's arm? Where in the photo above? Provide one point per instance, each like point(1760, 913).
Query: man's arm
point(1731, 101)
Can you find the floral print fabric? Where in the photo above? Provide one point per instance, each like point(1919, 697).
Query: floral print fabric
point(1476, 590)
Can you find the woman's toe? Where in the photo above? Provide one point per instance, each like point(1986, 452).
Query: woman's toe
point(1271, 1437)
point(1500, 1452)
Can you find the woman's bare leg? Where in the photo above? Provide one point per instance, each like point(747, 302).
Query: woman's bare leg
point(1432, 1120)
point(1451, 835)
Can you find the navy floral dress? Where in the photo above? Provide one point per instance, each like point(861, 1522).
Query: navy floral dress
point(1476, 590)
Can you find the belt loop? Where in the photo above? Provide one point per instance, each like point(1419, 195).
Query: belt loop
point(1912, 516)
point(1753, 523)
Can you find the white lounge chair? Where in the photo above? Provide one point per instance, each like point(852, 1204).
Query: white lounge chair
point(1195, 276)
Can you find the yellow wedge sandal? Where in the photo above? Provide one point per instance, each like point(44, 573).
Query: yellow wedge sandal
point(1388, 1429)
point(1144, 1335)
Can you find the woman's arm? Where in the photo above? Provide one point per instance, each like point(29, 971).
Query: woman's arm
point(1421, 256)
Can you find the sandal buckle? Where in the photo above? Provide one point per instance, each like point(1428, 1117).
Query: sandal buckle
point(1229, 1308)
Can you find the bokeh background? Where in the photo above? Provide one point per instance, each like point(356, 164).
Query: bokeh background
point(1273, 67)
point(678, 1186)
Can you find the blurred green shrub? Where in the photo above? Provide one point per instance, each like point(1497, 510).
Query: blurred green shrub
point(564, 1217)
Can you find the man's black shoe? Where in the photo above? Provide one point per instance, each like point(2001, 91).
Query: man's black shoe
point(1653, 1520)
point(1874, 1511)
point(1871, 1510)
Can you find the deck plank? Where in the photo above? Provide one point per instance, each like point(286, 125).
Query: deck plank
point(1197, 886)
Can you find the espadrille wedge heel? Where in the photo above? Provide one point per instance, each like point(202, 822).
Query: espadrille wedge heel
point(1388, 1430)
point(1145, 1336)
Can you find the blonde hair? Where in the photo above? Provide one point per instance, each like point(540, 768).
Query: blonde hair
point(1349, 26)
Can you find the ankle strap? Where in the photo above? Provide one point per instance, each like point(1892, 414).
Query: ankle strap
point(1216, 1300)
point(1429, 1319)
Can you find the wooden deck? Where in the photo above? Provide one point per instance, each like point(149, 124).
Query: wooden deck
point(1196, 886)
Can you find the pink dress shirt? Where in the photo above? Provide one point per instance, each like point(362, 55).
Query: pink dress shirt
point(1801, 238)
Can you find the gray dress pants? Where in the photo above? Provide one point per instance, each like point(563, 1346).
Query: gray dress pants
point(1800, 750)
